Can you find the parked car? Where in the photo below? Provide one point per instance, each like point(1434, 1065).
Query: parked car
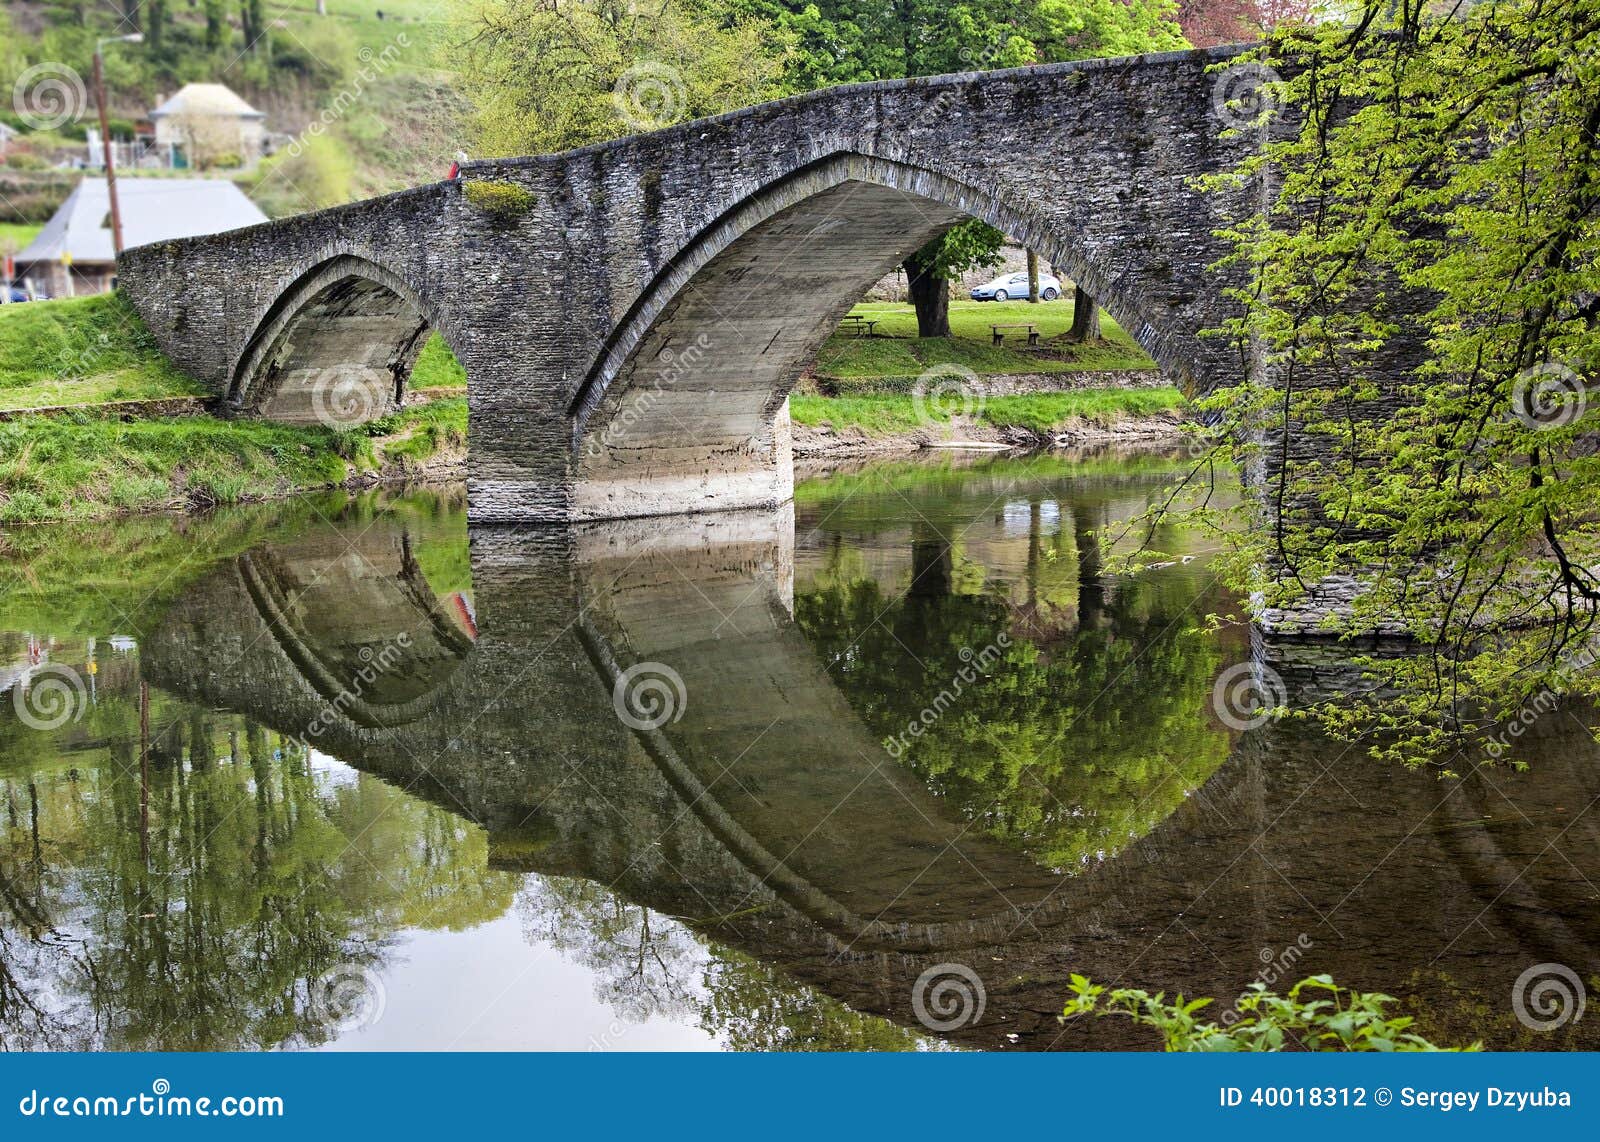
point(1016, 285)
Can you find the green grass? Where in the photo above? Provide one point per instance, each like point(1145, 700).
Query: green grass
point(82, 466)
point(897, 352)
point(15, 236)
point(1044, 412)
point(82, 351)
point(890, 413)
point(420, 433)
point(437, 367)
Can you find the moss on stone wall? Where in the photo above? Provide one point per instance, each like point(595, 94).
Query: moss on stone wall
point(503, 201)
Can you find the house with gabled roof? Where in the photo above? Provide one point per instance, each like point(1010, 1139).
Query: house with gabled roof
point(73, 253)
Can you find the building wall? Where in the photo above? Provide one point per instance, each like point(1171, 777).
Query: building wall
point(221, 134)
point(52, 279)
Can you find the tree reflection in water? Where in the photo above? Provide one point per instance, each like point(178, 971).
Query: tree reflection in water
point(268, 868)
point(1086, 733)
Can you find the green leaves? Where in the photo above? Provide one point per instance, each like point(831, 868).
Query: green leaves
point(546, 77)
point(1422, 311)
point(1316, 1015)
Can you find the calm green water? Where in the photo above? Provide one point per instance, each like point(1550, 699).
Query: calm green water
point(335, 774)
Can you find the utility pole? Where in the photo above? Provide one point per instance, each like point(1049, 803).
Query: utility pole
point(105, 134)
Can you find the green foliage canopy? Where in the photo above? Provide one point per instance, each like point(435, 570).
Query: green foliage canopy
point(547, 76)
point(1438, 177)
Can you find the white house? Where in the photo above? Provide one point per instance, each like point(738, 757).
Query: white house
point(209, 125)
point(73, 253)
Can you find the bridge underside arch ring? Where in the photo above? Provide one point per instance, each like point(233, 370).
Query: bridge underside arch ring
point(337, 348)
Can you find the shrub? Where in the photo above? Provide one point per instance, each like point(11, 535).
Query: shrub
point(1337, 1019)
point(502, 201)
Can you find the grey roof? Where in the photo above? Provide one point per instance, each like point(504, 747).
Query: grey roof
point(153, 210)
point(207, 99)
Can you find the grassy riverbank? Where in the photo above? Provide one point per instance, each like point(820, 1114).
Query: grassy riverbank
point(888, 414)
point(89, 463)
point(91, 350)
point(895, 350)
point(84, 350)
point(84, 465)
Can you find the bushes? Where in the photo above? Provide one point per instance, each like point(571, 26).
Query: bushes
point(1330, 1018)
point(503, 202)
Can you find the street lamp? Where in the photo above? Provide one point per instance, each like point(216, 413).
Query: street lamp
point(105, 133)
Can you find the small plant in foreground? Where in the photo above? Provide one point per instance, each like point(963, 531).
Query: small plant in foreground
point(1316, 1015)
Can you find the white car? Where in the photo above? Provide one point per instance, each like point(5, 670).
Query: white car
point(1016, 285)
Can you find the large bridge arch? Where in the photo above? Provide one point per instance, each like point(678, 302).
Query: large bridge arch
point(336, 347)
point(683, 407)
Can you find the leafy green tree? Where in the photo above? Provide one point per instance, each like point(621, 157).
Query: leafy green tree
point(1439, 179)
point(1018, 753)
point(843, 41)
point(208, 927)
point(546, 75)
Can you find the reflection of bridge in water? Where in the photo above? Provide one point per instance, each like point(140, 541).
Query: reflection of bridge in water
point(765, 815)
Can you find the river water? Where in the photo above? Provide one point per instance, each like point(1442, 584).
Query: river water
point(878, 771)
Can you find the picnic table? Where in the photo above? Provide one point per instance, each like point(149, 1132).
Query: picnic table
point(999, 337)
point(859, 325)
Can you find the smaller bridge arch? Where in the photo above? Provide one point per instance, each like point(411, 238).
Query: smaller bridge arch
point(337, 347)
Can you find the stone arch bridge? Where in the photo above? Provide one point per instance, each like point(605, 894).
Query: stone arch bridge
point(632, 315)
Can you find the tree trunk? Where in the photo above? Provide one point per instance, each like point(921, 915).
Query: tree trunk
point(1033, 278)
point(932, 565)
point(930, 295)
point(1091, 589)
point(216, 24)
point(322, 7)
point(1085, 317)
point(156, 24)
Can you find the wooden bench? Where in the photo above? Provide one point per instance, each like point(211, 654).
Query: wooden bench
point(860, 326)
point(999, 337)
